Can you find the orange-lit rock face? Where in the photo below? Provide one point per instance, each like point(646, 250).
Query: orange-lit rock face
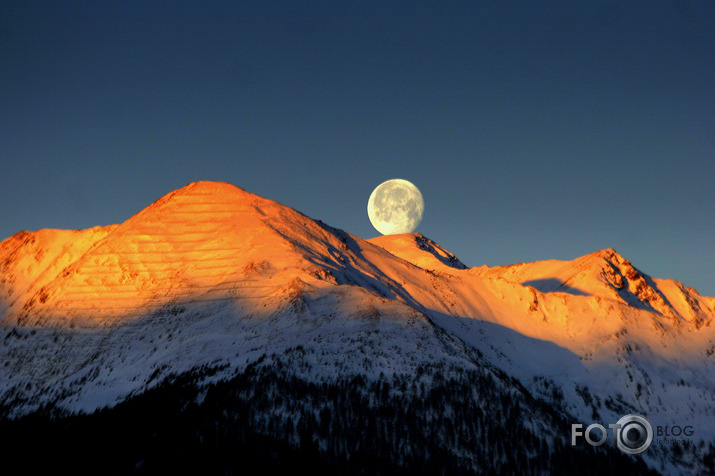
point(213, 241)
point(419, 250)
point(203, 242)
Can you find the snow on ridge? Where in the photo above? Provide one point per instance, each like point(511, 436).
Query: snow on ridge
point(419, 250)
point(213, 275)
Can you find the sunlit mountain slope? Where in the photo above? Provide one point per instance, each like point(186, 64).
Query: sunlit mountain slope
point(213, 276)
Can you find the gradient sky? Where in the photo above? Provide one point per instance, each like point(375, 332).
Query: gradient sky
point(534, 130)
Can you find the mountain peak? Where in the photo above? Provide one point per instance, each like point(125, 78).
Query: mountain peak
point(200, 240)
point(632, 285)
point(607, 274)
point(203, 192)
point(207, 187)
point(608, 254)
point(202, 202)
point(418, 250)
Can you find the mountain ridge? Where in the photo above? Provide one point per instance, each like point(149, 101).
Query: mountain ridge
point(419, 250)
point(607, 274)
point(212, 275)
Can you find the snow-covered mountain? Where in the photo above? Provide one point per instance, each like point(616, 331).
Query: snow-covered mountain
point(213, 277)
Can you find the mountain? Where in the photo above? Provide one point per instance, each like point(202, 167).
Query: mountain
point(419, 250)
point(609, 275)
point(213, 295)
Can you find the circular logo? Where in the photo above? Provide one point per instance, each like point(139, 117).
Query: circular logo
point(634, 434)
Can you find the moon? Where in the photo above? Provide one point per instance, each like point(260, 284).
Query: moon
point(395, 206)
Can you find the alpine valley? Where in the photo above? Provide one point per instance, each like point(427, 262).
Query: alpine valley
point(218, 332)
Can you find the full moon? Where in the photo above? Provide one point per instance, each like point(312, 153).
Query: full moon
point(395, 206)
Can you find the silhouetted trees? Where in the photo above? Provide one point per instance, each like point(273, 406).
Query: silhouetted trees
point(267, 420)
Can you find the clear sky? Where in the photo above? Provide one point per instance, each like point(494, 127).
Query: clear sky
point(534, 129)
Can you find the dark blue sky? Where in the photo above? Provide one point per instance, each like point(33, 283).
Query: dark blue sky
point(535, 130)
